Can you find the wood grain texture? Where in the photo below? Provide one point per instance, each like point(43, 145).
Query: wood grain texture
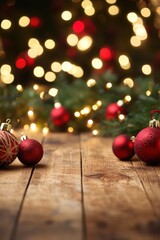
point(79, 191)
point(14, 180)
point(115, 201)
point(52, 206)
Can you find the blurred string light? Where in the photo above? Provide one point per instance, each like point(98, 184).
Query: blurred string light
point(66, 15)
point(6, 76)
point(146, 69)
point(24, 21)
point(113, 10)
point(138, 29)
point(128, 82)
point(6, 24)
point(124, 62)
point(88, 7)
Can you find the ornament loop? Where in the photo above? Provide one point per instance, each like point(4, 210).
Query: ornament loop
point(6, 126)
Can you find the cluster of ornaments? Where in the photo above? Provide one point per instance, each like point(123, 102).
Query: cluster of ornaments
point(146, 145)
point(28, 151)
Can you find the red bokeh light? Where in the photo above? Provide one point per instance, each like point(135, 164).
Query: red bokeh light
point(78, 26)
point(20, 63)
point(105, 53)
point(35, 21)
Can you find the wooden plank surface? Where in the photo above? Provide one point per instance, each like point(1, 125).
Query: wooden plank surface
point(115, 200)
point(79, 191)
point(14, 180)
point(52, 207)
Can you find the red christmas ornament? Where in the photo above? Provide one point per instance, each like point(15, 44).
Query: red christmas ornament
point(147, 142)
point(123, 147)
point(30, 151)
point(113, 110)
point(60, 116)
point(8, 145)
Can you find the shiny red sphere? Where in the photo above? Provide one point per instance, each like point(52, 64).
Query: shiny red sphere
point(123, 147)
point(113, 110)
point(147, 145)
point(60, 116)
point(30, 152)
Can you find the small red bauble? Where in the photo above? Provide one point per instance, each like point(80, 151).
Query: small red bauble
point(8, 148)
point(30, 152)
point(60, 116)
point(123, 147)
point(113, 110)
point(147, 145)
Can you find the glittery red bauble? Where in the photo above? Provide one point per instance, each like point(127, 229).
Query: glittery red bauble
point(60, 116)
point(8, 148)
point(30, 152)
point(113, 110)
point(147, 145)
point(123, 147)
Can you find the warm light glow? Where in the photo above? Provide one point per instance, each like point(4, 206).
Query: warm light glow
point(121, 117)
point(128, 82)
point(127, 98)
point(33, 127)
point(113, 10)
point(132, 17)
point(72, 40)
point(6, 24)
point(31, 114)
point(66, 15)
point(91, 82)
point(26, 127)
point(146, 69)
point(124, 62)
point(85, 110)
point(84, 43)
point(97, 63)
point(99, 103)
point(70, 129)
point(135, 41)
point(145, 12)
point(77, 114)
point(95, 132)
point(35, 87)
point(148, 93)
point(108, 85)
point(89, 123)
point(49, 44)
point(95, 107)
point(86, 3)
point(111, 1)
point(5, 69)
point(24, 21)
point(56, 67)
point(45, 130)
point(38, 71)
point(89, 11)
point(50, 76)
point(19, 88)
point(7, 79)
point(76, 71)
point(120, 103)
point(53, 92)
point(33, 43)
point(66, 66)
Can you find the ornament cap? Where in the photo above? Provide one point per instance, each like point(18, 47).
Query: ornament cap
point(6, 126)
point(23, 137)
point(154, 122)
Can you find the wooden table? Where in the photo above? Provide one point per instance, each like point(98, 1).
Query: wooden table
point(79, 191)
